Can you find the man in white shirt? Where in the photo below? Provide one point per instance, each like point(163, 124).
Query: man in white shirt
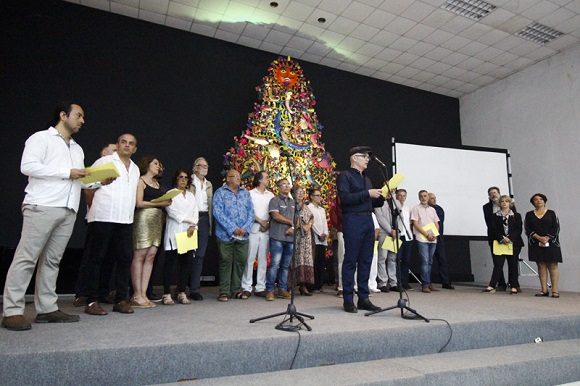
point(259, 236)
point(405, 235)
point(320, 234)
point(423, 216)
point(110, 228)
point(202, 189)
point(54, 163)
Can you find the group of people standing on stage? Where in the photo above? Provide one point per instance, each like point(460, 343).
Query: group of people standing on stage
point(505, 226)
point(126, 219)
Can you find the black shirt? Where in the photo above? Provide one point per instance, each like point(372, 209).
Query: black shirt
point(353, 189)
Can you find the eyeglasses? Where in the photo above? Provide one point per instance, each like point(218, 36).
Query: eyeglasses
point(183, 177)
point(365, 156)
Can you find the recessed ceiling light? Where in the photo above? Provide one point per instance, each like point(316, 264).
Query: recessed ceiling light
point(539, 33)
point(471, 9)
point(273, 4)
point(322, 20)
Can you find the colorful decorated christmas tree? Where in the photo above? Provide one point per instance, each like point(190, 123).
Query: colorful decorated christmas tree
point(283, 135)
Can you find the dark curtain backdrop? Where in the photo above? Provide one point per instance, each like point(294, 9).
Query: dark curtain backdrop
point(183, 95)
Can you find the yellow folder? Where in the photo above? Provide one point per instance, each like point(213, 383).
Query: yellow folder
point(389, 244)
point(393, 183)
point(502, 249)
point(184, 243)
point(429, 227)
point(100, 173)
point(167, 196)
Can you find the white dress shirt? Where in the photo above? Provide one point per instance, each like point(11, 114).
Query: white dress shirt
point(181, 214)
point(260, 201)
point(319, 225)
point(47, 160)
point(200, 193)
point(116, 202)
point(405, 214)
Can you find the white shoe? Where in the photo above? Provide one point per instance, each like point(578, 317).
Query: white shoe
point(167, 300)
point(375, 290)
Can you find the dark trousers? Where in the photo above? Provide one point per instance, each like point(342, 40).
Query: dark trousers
point(183, 268)
point(440, 257)
point(404, 257)
point(197, 263)
point(103, 238)
point(319, 265)
point(498, 262)
point(359, 240)
point(105, 277)
point(501, 278)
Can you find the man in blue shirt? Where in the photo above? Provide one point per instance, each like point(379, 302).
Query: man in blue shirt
point(234, 215)
point(358, 199)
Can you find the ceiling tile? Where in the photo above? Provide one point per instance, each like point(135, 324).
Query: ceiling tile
point(124, 10)
point(421, 48)
point(348, 66)
point(130, 3)
point(419, 32)
point(226, 35)
point(98, 4)
point(336, 6)
point(504, 58)
point(454, 59)
point(372, 3)
point(574, 6)
point(330, 62)
point(423, 63)
point(558, 16)
point(388, 54)
point(497, 17)
point(472, 48)
point(455, 43)
point(524, 48)
point(277, 37)
point(392, 68)
point(438, 37)
point(310, 57)
point(540, 10)
point(563, 42)
point(249, 42)
point(293, 53)
point(180, 11)
point(379, 19)
point(236, 28)
point(405, 58)
point(384, 38)
point(514, 24)
point(492, 37)
point(370, 49)
point(178, 23)
point(476, 31)
point(331, 37)
point(396, 7)
point(152, 17)
point(485, 68)
point(438, 18)
point(271, 47)
point(342, 25)
point(256, 31)
point(312, 3)
point(203, 29)
point(418, 11)
point(408, 72)
point(454, 72)
point(519, 63)
point(488, 53)
point(438, 53)
point(403, 43)
point(357, 11)
point(568, 26)
point(299, 43)
point(319, 49)
point(400, 25)
point(470, 63)
point(439, 68)
point(540, 53)
point(364, 32)
point(313, 18)
point(424, 76)
point(365, 71)
point(298, 11)
point(509, 43)
point(351, 44)
point(518, 6)
point(457, 24)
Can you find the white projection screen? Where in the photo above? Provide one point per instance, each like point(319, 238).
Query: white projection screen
point(459, 178)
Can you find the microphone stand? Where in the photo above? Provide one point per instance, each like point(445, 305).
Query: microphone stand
point(291, 312)
point(396, 215)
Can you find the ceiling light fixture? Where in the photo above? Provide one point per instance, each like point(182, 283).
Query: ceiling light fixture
point(321, 20)
point(471, 9)
point(273, 4)
point(539, 33)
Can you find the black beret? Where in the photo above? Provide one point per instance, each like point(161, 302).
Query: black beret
point(361, 150)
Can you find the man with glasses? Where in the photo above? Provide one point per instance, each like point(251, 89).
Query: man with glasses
point(202, 189)
point(358, 199)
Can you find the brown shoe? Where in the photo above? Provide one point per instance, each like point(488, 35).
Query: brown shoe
point(283, 294)
point(426, 290)
point(80, 301)
point(94, 308)
point(56, 317)
point(124, 307)
point(270, 296)
point(260, 294)
point(433, 289)
point(16, 323)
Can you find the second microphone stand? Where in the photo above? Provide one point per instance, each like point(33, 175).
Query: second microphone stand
point(396, 215)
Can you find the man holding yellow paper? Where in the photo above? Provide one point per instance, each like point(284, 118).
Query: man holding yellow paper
point(426, 229)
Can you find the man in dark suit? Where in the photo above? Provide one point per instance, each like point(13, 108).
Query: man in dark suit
point(489, 209)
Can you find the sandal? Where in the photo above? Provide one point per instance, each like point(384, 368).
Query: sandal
point(514, 291)
point(246, 295)
point(223, 297)
point(556, 295)
point(167, 300)
point(136, 304)
point(238, 295)
point(542, 294)
point(489, 290)
point(182, 298)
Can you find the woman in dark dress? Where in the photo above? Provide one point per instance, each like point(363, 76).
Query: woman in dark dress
point(506, 228)
point(542, 229)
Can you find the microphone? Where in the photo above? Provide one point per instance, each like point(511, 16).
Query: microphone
point(379, 161)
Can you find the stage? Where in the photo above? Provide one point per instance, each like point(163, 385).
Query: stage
point(492, 342)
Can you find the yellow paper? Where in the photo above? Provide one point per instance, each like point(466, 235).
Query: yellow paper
point(167, 196)
point(393, 183)
point(429, 227)
point(376, 251)
point(389, 244)
point(502, 249)
point(100, 173)
point(184, 243)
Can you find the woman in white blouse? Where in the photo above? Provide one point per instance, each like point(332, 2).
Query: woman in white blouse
point(182, 216)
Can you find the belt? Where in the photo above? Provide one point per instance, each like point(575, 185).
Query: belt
point(359, 213)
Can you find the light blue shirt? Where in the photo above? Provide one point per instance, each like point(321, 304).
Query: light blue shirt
point(232, 210)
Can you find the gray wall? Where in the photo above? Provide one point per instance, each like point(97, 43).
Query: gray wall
point(535, 114)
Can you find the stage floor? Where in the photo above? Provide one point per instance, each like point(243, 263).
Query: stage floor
point(211, 339)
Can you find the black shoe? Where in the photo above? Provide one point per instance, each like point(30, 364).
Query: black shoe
point(394, 288)
point(56, 317)
point(384, 288)
point(448, 286)
point(502, 287)
point(407, 287)
point(155, 297)
point(349, 307)
point(195, 296)
point(365, 304)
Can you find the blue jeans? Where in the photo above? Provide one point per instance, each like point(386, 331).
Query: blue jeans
point(359, 238)
point(426, 251)
point(280, 259)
